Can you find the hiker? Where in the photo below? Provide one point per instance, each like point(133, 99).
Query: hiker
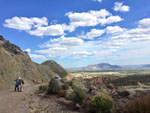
point(17, 84)
point(21, 82)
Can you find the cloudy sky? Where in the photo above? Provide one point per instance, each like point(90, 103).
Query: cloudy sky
point(76, 33)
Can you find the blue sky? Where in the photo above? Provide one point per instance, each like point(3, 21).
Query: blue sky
point(77, 33)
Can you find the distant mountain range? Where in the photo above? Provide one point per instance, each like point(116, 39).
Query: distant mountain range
point(101, 66)
point(107, 66)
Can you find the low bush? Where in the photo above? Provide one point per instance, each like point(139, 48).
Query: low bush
point(77, 96)
point(43, 88)
point(101, 103)
point(139, 105)
point(65, 86)
point(54, 87)
point(69, 83)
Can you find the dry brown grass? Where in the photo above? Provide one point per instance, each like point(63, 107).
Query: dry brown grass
point(139, 105)
point(61, 93)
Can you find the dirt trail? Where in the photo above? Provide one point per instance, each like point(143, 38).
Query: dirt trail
point(16, 102)
point(29, 102)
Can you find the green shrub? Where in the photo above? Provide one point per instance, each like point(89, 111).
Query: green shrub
point(139, 105)
point(43, 88)
point(132, 80)
point(69, 83)
point(54, 86)
point(65, 86)
point(78, 95)
point(74, 87)
point(101, 103)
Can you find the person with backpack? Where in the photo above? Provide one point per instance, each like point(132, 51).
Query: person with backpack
point(17, 84)
point(21, 82)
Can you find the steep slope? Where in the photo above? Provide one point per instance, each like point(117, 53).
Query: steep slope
point(55, 68)
point(14, 63)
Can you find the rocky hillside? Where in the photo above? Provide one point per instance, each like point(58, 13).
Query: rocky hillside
point(14, 63)
point(55, 67)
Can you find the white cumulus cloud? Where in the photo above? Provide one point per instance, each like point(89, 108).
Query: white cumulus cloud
point(114, 29)
point(28, 50)
point(117, 39)
point(120, 7)
point(67, 41)
point(113, 19)
point(144, 23)
point(35, 26)
point(92, 18)
point(52, 30)
point(60, 46)
point(97, 1)
point(35, 56)
point(52, 52)
point(39, 26)
point(24, 23)
point(93, 33)
point(81, 54)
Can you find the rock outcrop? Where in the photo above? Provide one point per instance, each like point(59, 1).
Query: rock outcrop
point(103, 79)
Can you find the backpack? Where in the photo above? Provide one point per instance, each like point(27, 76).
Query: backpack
point(17, 81)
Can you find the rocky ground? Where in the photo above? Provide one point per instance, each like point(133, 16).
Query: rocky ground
point(120, 95)
point(29, 102)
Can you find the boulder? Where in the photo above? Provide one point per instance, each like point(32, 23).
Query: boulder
point(77, 107)
point(123, 93)
point(110, 86)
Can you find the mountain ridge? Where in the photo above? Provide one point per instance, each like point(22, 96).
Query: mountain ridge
point(17, 63)
point(101, 66)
